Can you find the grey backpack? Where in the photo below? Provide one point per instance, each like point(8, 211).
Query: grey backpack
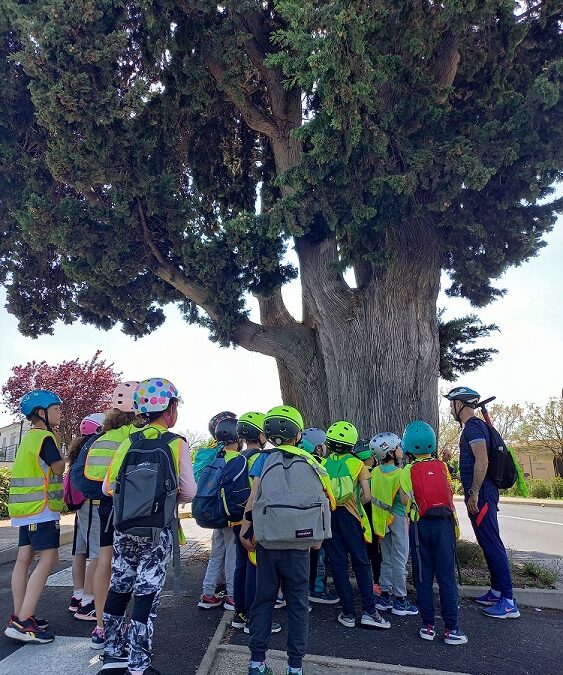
point(291, 510)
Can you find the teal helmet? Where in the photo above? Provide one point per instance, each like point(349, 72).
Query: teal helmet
point(419, 438)
point(465, 394)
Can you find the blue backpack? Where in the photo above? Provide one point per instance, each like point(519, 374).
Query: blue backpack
point(234, 488)
point(203, 458)
point(207, 507)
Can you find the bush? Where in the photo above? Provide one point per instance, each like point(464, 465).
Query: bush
point(457, 487)
point(556, 487)
point(5, 477)
point(540, 489)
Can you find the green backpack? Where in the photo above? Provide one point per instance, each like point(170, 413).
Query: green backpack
point(341, 479)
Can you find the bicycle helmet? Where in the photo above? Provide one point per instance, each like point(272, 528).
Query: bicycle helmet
point(226, 430)
point(384, 443)
point(38, 399)
point(314, 436)
point(92, 424)
point(282, 423)
point(362, 450)
point(341, 436)
point(419, 438)
point(122, 396)
point(465, 394)
point(214, 421)
point(250, 426)
point(153, 395)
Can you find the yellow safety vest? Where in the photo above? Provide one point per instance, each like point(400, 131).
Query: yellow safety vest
point(34, 485)
point(102, 450)
point(355, 467)
point(384, 489)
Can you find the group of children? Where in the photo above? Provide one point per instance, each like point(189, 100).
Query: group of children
point(311, 498)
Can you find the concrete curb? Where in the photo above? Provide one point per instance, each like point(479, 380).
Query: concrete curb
point(209, 656)
point(325, 662)
point(555, 503)
point(67, 533)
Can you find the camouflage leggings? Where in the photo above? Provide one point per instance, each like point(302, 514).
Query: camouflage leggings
point(138, 568)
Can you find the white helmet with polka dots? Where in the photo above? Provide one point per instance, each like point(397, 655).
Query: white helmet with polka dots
point(153, 395)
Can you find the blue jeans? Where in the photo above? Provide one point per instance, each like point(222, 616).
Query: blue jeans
point(289, 569)
point(244, 583)
point(485, 526)
point(432, 543)
point(348, 540)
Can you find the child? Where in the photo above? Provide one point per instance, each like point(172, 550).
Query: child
point(350, 527)
point(389, 520)
point(223, 547)
point(286, 562)
point(86, 545)
point(140, 562)
point(88, 473)
point(363, 452)
point(432, 533)
point(35, 503)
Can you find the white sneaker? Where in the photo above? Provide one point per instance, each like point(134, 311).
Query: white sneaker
point(348, 620)
point(427, 632)
point(374, 620)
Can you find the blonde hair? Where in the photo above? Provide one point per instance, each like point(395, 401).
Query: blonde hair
point(117, 418)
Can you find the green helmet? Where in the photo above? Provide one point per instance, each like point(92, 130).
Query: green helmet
point(250, 426)
point(282, 423)
point(341, 436)
point(419, 438)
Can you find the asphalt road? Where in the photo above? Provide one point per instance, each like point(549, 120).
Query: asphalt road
point(533, 530)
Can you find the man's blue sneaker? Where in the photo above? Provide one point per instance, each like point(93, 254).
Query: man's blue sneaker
point(323, 598)
point(263, 670)
point(402, 607)
point(489, 598)
point(455, 637)
point(384, 602)
point(502, 610)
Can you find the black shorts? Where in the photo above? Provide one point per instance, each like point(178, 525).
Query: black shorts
point(41, 536)
point(106, 524)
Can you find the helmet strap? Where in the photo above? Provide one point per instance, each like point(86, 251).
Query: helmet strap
point(46, 420)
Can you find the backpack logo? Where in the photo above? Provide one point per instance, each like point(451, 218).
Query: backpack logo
point(304, 534)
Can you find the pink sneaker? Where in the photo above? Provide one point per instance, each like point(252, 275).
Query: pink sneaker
point(229, 604)
point(209, 601)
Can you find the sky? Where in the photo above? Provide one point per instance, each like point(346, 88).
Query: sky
point(528, 367)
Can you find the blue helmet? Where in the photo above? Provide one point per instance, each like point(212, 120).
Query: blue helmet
point(38, 399)
point(419, 438)
point(464, 394)
point(314, 436)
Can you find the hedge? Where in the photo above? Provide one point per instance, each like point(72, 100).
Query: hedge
point(5, 476)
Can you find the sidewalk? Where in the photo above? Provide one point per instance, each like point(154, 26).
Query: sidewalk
point(556, 503)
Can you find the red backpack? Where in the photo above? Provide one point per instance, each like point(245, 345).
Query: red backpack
point(431, 488)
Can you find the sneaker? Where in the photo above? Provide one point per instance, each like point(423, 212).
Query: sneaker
point(402, 607)
point(384, 602)
point(264, 670)
point(86, 612)
point(74, 604)
point(324, 598)
point(40, 623)
point(427, 632)
point(348, 620)
point(114, 664)
point(280, 602)
point(276, 628)
point(503, 610)
point(374, 620)
point(229, 603)
point(239, 620)
point(488, 599)
point(294, 671)
point(28, 631)
point(98, 639)
point(376, 589)
point(454, 637)
point(209, 601)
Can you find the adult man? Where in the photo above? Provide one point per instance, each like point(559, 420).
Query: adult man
point(481, 498)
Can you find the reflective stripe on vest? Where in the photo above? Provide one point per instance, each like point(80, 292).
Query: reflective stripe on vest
point(33, 485)
point(382, 505)
point(102, 451)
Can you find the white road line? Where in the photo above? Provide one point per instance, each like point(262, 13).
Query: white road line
point(531, 520)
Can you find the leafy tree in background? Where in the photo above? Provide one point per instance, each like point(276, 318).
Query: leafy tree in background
point(396, 139)
point(83, 386)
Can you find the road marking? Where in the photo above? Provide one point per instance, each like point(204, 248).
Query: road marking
point(532, 520)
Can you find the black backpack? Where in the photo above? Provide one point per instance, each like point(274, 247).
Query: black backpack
point(501, 470)
point(146, 487)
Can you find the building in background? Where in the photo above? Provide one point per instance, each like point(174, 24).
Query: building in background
point(10, 437)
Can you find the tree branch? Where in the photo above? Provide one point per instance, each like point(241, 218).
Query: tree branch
point(445, 63)
point(273, 311)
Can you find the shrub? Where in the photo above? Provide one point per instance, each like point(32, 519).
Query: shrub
point(538, 572)
point(540, 489)
point(556, 487)
point(457, 487)
point(5, 477)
